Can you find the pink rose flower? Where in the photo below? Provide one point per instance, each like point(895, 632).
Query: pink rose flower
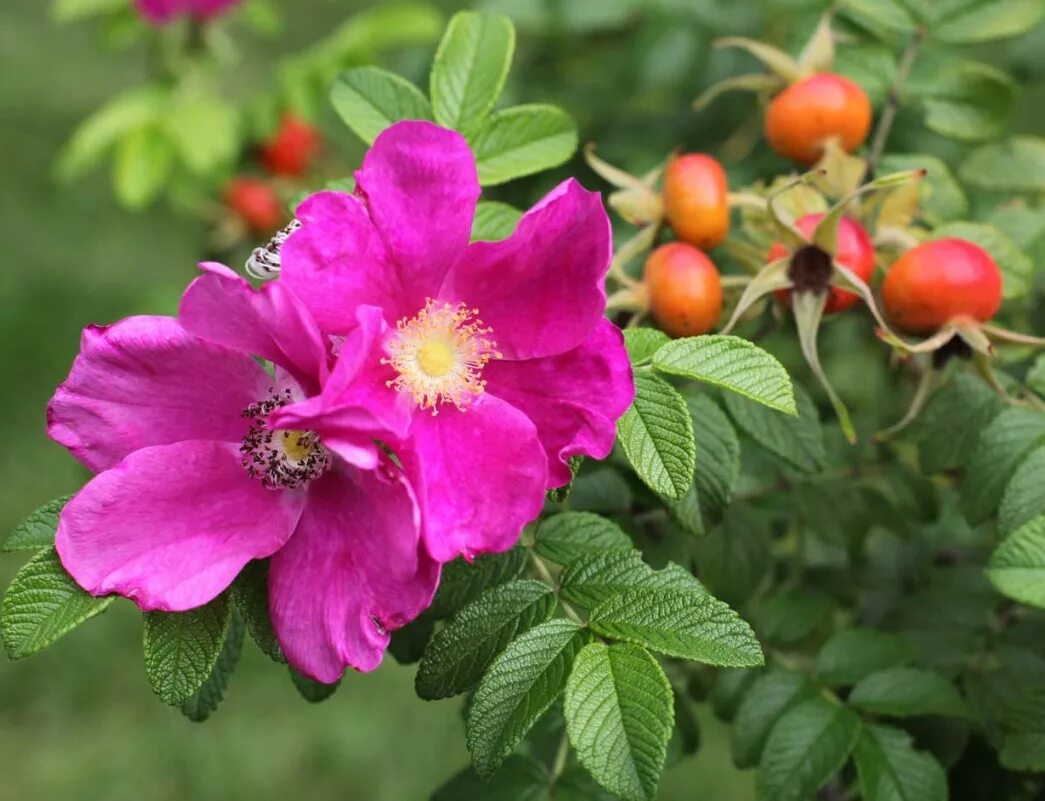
point(192, 483)
point(161, 12)
point(498, 352)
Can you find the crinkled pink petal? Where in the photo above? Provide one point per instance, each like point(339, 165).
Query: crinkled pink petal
point(146, 381)
point(270, 322)
point(420, 185)
point(171, 526)
point(356, 404)
point(540, 290)
point(337, 261)
point(479, 476)
point(574, 398)
point(354, 570)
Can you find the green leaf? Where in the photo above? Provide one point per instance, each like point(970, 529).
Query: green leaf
point(1036, 376)
point(907, 691)
point(470, 67)
point(204, 130)
point(209, 697)
point(250, 591)
point(494, 221)
point(69, 10)
point(718, 456)
point(370, 99)
point(769, 697)
point(730, 689)
point(522, 140)
point(463, 581)
point(798, 441)
point(1023, 751)
point(1024, 499)
point(788, 615)
point(144, 161)
point(519, 779)
point(1016, 164)
point(881, 16)
point(679, 621)
point(942, 197)
point(853, 654)
point(942, 445)
point(567, 536)
point(872, 67)
point(407, 644)
point(518, 688)
point(731, 363)
point(642, 343)
point(36, 532)
point(181, 648)
point(1001, 446)
point(591, 579)
point(315, 692)
point(734, 559)
point(602, 490)
point(619, 715)
point(1017, 270)
point(986, 20)
point(970, 102)
point(656, 433)
point(891, 770)
point(458, 655)
point(108, 125)
point(1017, 566)
point(42, 604)
point(806, 747)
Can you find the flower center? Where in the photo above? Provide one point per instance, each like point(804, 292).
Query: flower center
point(281, 459)
point(439, 355)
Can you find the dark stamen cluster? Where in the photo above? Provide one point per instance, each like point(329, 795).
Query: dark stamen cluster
point(810, 269)
point(265, 451)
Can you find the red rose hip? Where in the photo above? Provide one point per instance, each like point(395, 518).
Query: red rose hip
point(254, 202)
point(938, 281)
point(695, 200)
point(292, 148)
point(808, 112)
point(685, 291)
point(854, 249)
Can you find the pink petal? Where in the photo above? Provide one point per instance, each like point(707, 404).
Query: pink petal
point(353, 571)
point(269, 322)
point(479, 476)
point(356, 405)
point(146, 381)
point(574, 398)
point(541, 289)
point(171, 526)
point(420, 184)
point(337, 261)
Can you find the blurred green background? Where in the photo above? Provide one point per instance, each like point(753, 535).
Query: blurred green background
point(79, 720)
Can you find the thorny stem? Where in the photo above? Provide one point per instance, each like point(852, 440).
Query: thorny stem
point(892, 103)
point(545, 575)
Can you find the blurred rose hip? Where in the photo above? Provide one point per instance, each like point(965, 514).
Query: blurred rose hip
point(292, 148)
point(256, 203)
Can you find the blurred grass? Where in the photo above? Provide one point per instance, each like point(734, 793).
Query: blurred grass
point(79, 721)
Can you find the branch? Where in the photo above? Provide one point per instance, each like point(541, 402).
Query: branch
point(892, 103)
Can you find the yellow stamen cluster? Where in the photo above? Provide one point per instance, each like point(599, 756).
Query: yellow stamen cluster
point(439, 355)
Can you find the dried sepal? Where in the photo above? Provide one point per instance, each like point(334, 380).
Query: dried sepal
point(774, 276)
point(819, 53)
point(759, 83)
point(808, 308)
point(778, 62)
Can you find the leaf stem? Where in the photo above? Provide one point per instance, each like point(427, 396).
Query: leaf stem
point(545, 575)
point(892, 103)
point(561, 756)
